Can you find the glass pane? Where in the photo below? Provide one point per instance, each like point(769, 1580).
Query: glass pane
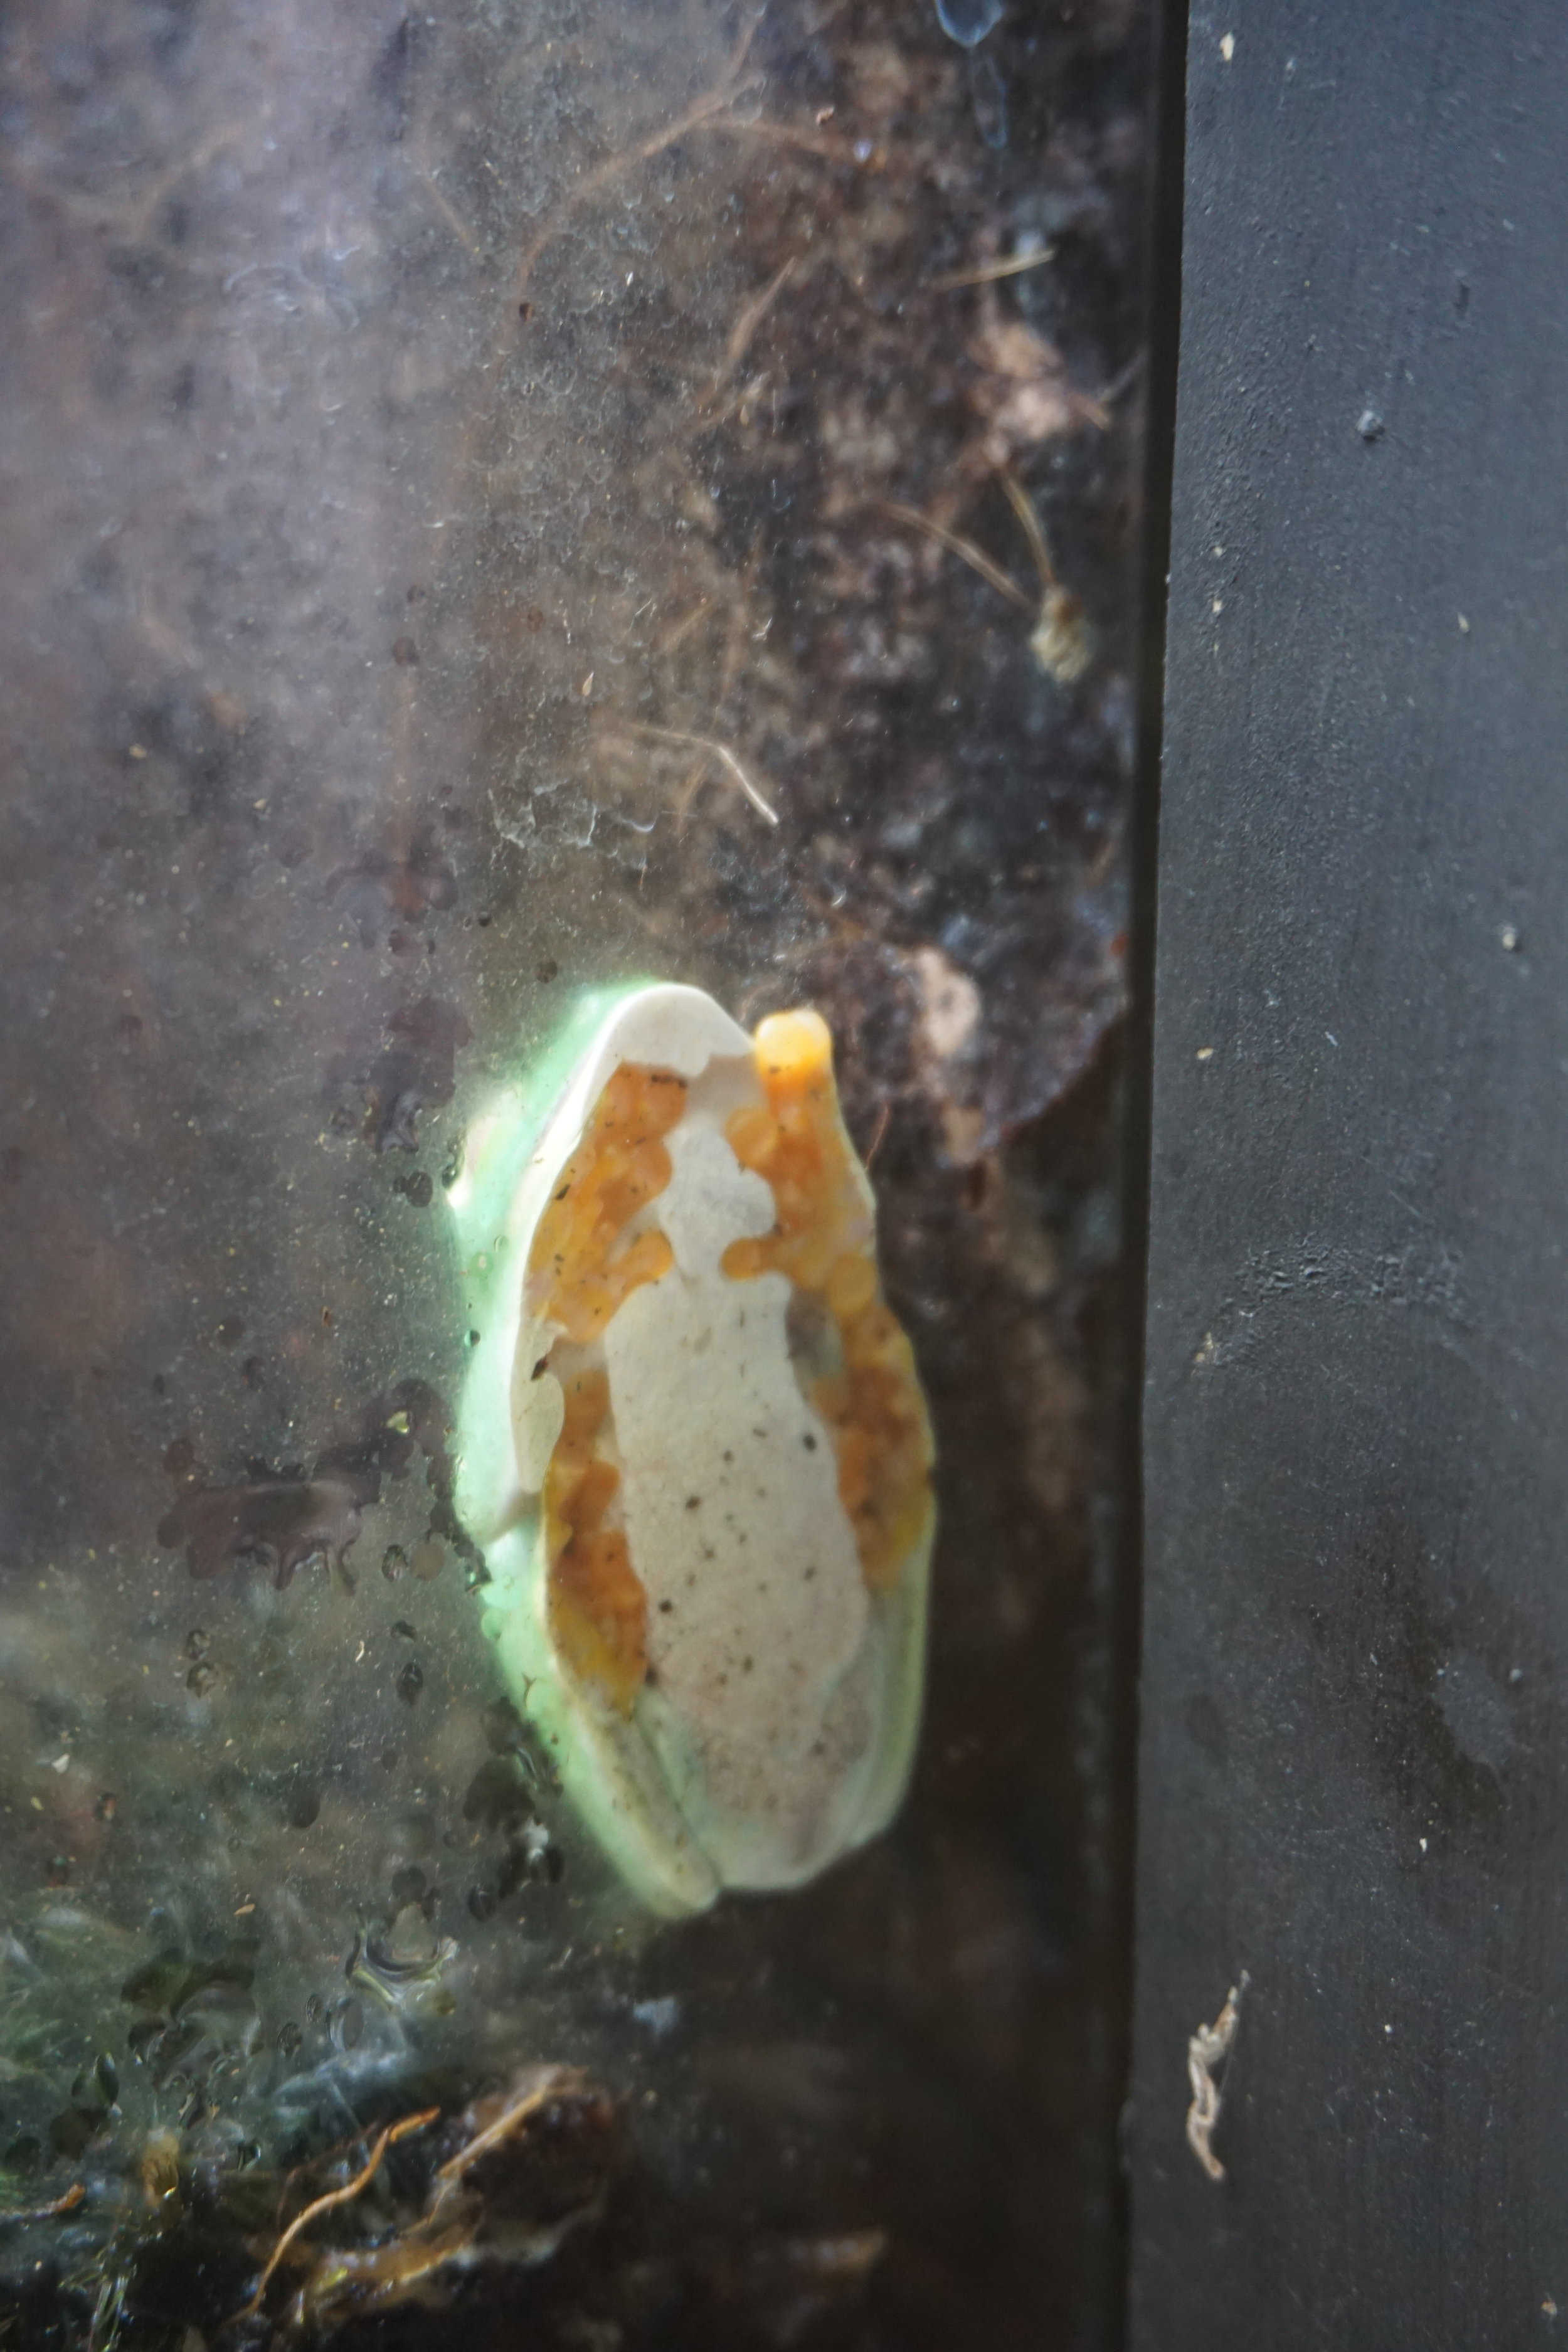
point(501, 502)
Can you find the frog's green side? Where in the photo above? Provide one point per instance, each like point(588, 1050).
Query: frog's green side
point(610, 1778)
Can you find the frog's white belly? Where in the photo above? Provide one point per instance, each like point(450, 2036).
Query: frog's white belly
point(757, 1605)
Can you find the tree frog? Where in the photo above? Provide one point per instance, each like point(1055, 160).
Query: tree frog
point(694, 1445)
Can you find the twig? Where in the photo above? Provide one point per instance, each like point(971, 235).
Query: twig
point(448, 210)
point(1022, 506)
point(65, 2204)
point(132, 219)
point(965, 548)
point(1120, 381)
point(552, 2080)
point(351, 2188)
point(683, 628)
point(992, 270)
point(312, 2164)
point(749, 320)
point(1060, 640)
point(689, 787)
point(715, 749)
point(706, 420)
point(786, 135)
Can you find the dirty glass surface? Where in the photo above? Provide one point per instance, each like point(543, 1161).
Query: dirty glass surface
point(500, 499)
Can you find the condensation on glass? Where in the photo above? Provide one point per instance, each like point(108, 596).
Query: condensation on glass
point(503, 499)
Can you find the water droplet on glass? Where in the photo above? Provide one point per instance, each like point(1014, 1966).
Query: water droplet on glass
point(967, 22)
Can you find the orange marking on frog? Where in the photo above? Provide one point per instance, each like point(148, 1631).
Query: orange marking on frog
point(579, 1273)
point(822, 1242)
